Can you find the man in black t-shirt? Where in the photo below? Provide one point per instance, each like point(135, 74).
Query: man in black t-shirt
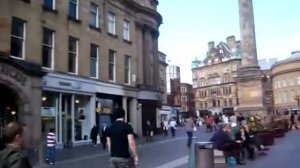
point(120, 138)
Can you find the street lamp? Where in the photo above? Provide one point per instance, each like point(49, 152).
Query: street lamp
point(297, 97)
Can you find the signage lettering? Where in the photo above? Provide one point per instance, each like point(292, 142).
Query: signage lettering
point(11, 72)
point(68, 84)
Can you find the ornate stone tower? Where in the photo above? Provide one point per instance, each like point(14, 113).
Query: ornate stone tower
point(249, 77)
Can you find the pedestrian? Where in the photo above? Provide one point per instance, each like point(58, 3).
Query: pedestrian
point(12, 155)
point(293, 122)
point(104, 136)
point(149, 131)
point(189, 125)
point(173, 127)
point(51, 146)
point(165, 127)
point(121, 142)
point(94, 135)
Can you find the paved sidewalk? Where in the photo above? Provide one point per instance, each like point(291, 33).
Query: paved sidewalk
point(89, 150)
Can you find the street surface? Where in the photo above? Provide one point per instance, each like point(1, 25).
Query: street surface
point(173, 153)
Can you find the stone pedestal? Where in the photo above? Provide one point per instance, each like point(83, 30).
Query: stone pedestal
point(249, 78)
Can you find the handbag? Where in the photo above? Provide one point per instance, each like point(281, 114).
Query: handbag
point(151, 133)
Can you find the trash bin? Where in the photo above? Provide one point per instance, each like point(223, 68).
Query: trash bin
point(204, 155)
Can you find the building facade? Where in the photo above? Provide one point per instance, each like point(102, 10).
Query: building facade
point(187, 99)
point(163, 76)
point(70, 63)
point(214, 78)
point(173, 86)
point(286, 83)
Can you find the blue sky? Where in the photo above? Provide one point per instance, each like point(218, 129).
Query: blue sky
point(188, 25)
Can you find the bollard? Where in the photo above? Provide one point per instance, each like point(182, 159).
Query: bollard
point(204, 155)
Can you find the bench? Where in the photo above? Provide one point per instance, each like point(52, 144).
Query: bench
point(219, 157)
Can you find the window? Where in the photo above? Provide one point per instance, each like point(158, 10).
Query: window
point(73, 9)
point(111, 65)
point(126, 30)
point(49, 4)
point(111, 23)
point(230, 102)
point(73, 55)
point(219, 103)
point(94, 61)
point(94, 12)
point(205, 104)
point(17, 43)
point(127, 69)
point(225, 103)
point(214, 104)
point(48, 48)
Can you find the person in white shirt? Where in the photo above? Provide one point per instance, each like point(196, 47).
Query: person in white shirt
point(225, 119)
point(173, 127)
point(51, 149)
point(165, 127)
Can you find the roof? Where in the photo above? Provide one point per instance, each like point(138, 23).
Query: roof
point(295, 57)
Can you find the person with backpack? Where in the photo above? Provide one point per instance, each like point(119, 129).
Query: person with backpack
point(12, 155)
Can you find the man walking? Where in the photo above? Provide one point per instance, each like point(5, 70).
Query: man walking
point(190, 125)
point(293, 122)
point(120, 138)
point(173, 127)
point(51, 143)
point(12, 156)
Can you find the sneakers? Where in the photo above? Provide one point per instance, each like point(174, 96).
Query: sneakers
point(52, 163)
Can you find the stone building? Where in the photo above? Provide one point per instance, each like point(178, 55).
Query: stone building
point(214, 77)
point(286, 83)
point(163, 76)
point(69, 63)
point(187, 99)
point(173, 86)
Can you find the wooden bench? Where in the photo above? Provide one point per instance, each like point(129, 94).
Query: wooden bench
point(219, 156)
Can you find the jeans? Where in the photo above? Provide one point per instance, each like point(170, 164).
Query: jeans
point(173, 131)
point(121, 163)
point(51, 154)
point(190, 137)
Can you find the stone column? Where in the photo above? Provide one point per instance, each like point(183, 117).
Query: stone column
point(249, 84)
point(124, 106)
point(146, 53)
point(135, 116)
point(247, 31)
point(156, 78)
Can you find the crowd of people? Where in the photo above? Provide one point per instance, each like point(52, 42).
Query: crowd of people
point(235, 137)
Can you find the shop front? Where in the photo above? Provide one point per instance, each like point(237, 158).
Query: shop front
point(150, 102)
point(68, 106)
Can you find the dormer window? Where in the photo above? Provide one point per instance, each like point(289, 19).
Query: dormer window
point(221, 51)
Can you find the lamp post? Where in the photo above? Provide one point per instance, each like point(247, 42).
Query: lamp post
point(297, 97)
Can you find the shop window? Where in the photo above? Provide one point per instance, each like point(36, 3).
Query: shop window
point(82, 118)
point(49, 112)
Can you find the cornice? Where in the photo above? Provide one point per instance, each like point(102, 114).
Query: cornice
point(141, 9)
point(225, 62)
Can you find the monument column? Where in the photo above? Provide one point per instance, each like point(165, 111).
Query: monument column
point(249, 78)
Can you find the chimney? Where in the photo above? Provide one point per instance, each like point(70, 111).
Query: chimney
point(211, 45)
point(230, 41)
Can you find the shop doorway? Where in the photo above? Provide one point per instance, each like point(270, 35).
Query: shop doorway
point(8, 107)
point(66, 115)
